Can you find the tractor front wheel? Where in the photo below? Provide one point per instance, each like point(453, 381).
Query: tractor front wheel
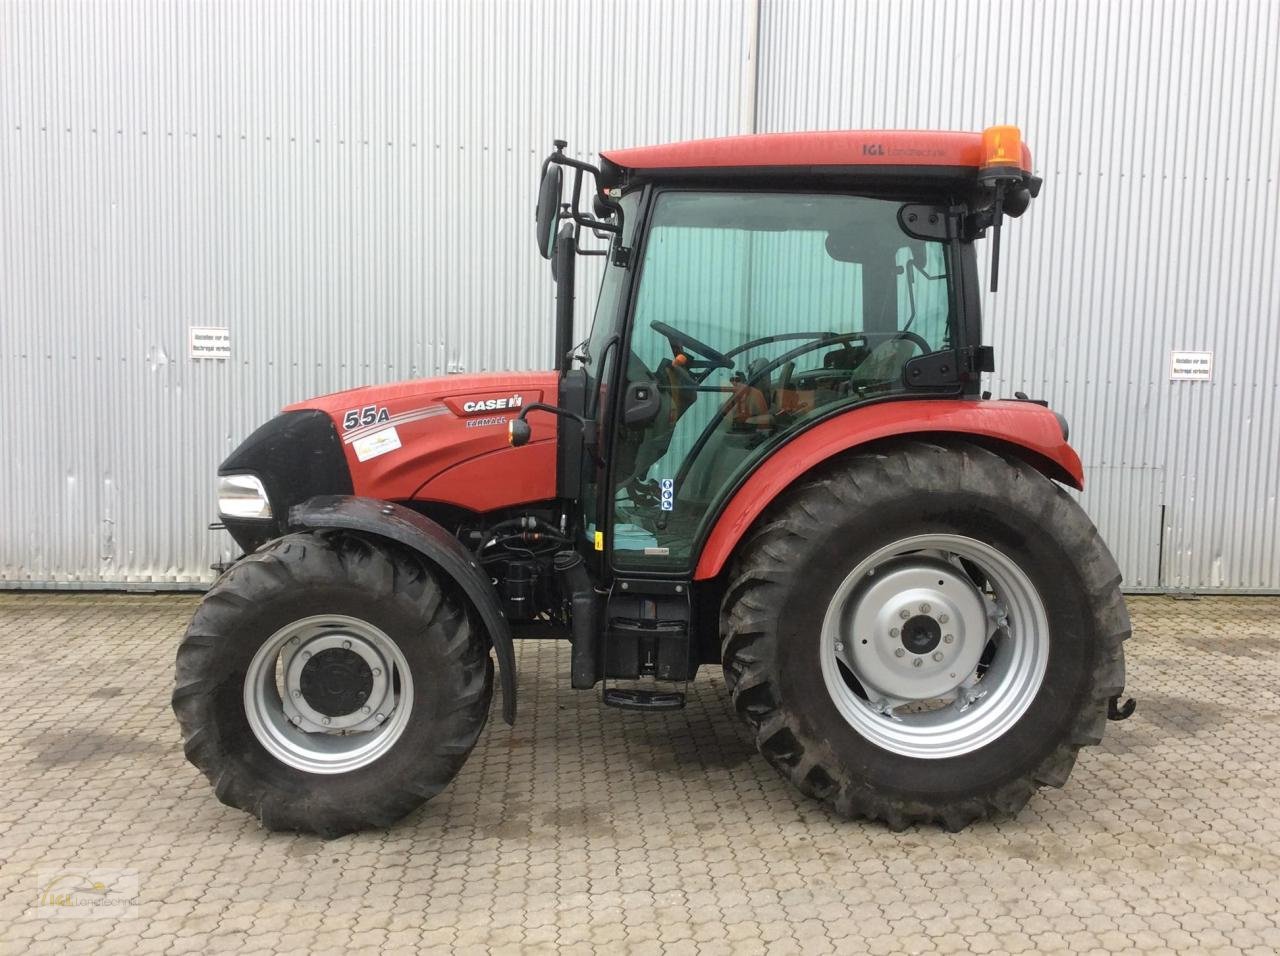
point(926, 633)
point(330, 682)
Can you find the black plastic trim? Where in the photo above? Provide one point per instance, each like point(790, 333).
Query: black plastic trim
point(913, 179)
point(297, 455)
point(572, 397)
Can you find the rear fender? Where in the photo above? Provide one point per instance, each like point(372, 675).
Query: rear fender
point(436, 545)
point(1026, 429)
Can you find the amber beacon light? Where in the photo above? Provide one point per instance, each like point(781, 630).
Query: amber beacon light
point(1001, 169)
point(1001, 152)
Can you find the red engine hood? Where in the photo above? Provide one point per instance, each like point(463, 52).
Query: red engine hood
point(445, 439)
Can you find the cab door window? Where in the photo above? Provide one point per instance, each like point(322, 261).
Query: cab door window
point(756, 313)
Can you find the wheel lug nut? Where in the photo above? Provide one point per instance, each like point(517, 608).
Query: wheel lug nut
point(839, 648)
point(917, 662)
point(942, 619)
point(297, 693)
point(327, 721)
point(306, 655)
point(937, 655)
point(948, 638)
point(900, 652)
point(904, 613)
point(377, 672)
point(379, 718)
point(364, 710)
point(893, 632)
point(346, 645)
point(926, 608)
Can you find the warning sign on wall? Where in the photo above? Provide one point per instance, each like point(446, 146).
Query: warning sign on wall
point(1190, 366)
point(208, 343)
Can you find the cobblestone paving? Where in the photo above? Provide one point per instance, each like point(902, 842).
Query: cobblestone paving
point(585, 829)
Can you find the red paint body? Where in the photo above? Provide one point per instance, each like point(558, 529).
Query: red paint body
point(443, 458)
point(1030, 426)
point(925, 148)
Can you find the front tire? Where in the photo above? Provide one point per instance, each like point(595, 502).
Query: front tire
point(330, 682)
point(926, 633)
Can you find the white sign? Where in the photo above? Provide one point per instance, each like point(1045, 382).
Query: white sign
point(1190, 366)
point(379, 443)
point(209, 343)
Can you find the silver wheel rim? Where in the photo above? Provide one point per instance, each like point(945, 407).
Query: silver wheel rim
point(306, 732)
point(923, 662)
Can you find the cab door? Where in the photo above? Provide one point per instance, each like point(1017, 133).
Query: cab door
point(754, 315)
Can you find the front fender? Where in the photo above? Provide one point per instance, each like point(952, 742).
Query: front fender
point(433, 542)
point(1027, 429)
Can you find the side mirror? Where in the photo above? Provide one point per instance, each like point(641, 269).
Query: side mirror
point(641, 404)
point(548, 214)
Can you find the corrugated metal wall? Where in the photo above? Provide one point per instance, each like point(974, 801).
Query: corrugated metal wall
point(1156, 128)
point(348, 186)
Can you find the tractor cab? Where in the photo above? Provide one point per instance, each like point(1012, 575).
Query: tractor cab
point(755, 287)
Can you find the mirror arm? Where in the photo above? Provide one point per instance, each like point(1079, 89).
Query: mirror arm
point(518, 430)
point(595, 224)
point(580, 167)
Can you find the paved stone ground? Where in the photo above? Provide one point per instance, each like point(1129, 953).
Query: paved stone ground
point(587, 829)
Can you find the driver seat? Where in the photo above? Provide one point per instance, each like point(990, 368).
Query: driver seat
point(758, 378)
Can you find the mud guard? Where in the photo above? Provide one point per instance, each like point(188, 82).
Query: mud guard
point(1026, 429)
point(433, 542)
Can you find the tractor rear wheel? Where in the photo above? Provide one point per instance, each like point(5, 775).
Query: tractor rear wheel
point(924, 633)
point(329, 682)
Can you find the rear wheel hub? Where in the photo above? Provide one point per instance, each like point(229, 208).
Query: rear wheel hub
point(921, 634)
point(915, 628)
point(934, 646)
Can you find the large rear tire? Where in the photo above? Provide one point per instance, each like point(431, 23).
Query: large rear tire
point(330, 682)
point(926, 633)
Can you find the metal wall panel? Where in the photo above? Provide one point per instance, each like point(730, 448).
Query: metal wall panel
point(348, 187)
point(1156, 129)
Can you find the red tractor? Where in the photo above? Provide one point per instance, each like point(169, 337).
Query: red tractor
point(771, 453)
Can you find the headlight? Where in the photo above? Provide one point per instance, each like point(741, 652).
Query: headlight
point(242, 496)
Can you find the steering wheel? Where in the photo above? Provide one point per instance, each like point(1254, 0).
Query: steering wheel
point(682, 341)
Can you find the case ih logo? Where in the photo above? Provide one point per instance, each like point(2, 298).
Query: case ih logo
point(493, 404)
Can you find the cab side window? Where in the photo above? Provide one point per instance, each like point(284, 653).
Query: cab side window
point(754, 314)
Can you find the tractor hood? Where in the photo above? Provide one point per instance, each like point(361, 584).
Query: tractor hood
point(401, 440)
point(441, 440)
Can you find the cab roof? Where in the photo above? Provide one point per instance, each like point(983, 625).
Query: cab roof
point(844, 154)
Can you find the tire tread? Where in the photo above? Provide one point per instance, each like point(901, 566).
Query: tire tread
point(320, 558)
point(762, 575)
